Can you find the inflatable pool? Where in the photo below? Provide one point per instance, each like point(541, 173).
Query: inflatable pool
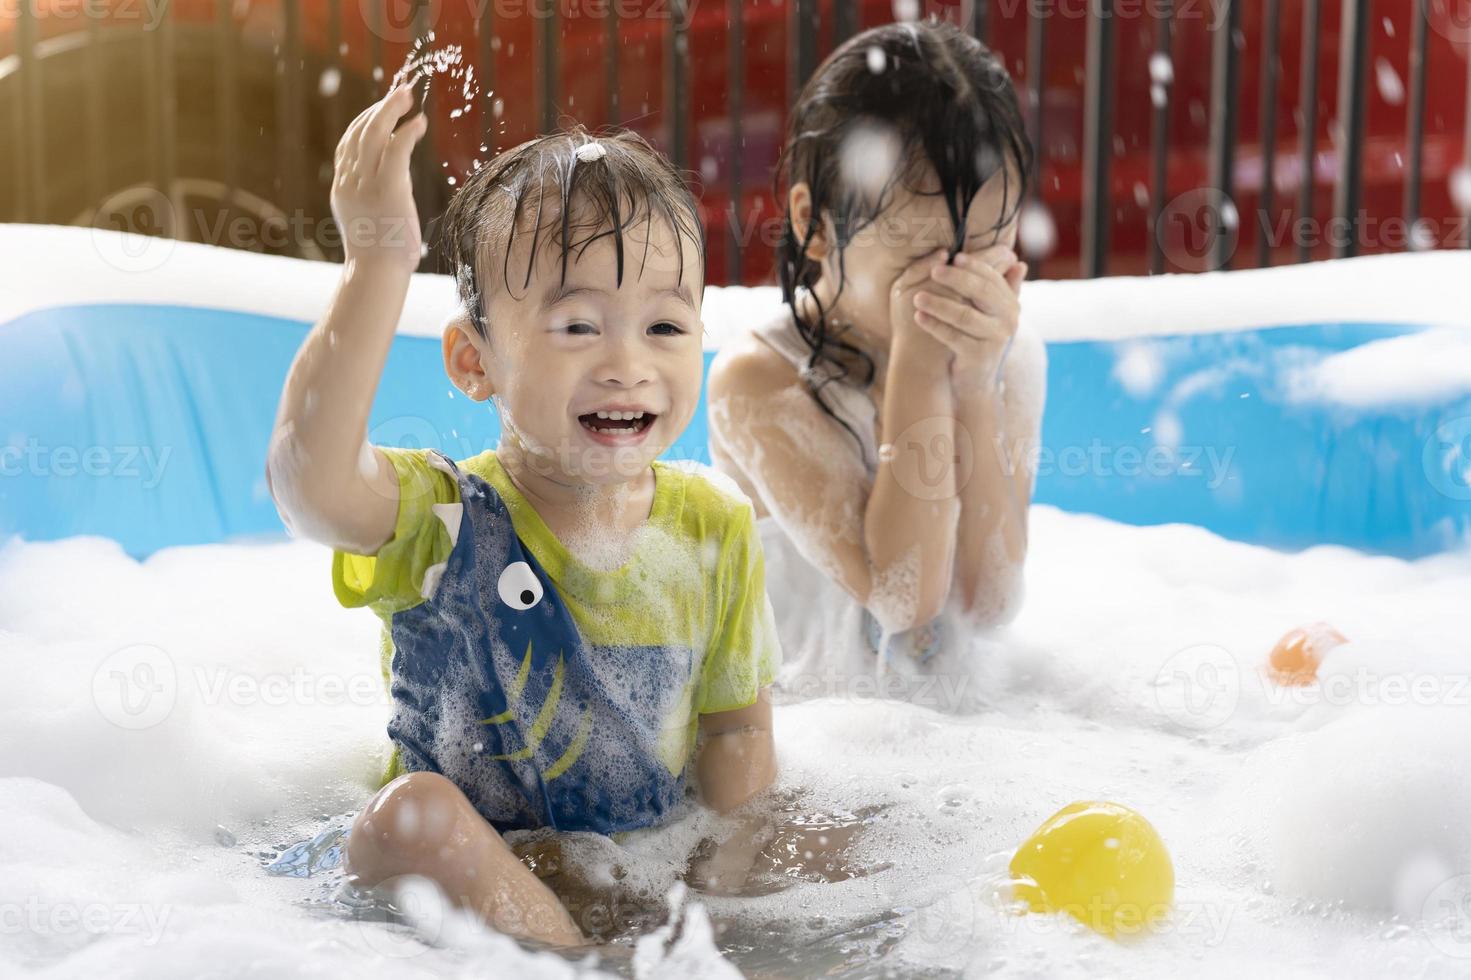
point(1329, 404)
point(184, 714)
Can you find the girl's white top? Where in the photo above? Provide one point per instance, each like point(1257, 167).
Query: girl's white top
point(823, 629)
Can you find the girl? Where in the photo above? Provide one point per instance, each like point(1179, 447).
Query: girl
point(884, 422)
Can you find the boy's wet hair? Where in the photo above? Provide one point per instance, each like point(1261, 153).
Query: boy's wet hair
point(947, 100)
point(564, 194)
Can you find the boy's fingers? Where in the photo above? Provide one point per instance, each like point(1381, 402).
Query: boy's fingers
point(401, 144)
point(348, 145)
point(375, 134)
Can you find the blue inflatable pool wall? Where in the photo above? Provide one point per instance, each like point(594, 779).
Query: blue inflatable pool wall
point(149, 424)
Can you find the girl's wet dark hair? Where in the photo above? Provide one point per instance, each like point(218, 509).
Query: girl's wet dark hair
point(556, 185)
point(947, 100)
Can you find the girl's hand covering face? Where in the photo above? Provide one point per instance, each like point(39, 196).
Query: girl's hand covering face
point(975, 311)
point(904, 312)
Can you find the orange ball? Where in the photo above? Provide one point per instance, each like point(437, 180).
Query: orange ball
point(1294, 660)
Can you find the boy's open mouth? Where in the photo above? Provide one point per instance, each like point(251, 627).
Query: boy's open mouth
point(617, 423)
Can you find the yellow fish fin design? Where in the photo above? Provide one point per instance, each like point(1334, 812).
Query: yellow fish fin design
point(574, 750)
point(543, 722)
point(517, 686)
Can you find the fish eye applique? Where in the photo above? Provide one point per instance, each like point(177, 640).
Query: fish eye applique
point(519, 587)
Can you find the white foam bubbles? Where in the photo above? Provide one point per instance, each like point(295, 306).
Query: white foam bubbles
point(1391, 86)
point(1140, 368)
point(1460, 188)
point(1427, 367)
point(1036, 230)
point(1360, 811)
point(869, 158)
point(1281, 806)
point(1161, 69)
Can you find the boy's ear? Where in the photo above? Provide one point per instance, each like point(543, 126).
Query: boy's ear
point(462, 358)
point(799, 206)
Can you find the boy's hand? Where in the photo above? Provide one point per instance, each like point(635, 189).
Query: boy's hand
point(979, 324)
point(372, 196)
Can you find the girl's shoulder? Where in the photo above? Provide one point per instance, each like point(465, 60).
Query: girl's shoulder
point(761, 359)
point(745, 365)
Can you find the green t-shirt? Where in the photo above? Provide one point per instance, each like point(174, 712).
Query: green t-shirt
point(683, 629)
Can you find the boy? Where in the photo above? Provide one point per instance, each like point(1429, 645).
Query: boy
point(566, 618)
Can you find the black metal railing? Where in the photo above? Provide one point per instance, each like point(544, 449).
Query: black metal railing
point(814, 26)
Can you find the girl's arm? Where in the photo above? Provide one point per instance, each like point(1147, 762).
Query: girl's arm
point(890, 545)
point(1004, 428)
point(738, 757)
point(328, 483)
point(999, 423)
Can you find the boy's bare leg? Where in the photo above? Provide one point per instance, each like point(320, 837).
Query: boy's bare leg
point(422, 824)
point(724, 867)
point(765, 848)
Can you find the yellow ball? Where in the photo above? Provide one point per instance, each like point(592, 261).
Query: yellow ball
point(1100, 862)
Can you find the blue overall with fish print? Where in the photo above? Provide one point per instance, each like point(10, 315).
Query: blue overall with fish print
point(553, 694)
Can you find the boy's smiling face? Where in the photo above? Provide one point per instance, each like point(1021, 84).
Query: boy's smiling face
point(593, 380)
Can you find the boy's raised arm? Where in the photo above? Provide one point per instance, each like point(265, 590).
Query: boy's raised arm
point(328, 483)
